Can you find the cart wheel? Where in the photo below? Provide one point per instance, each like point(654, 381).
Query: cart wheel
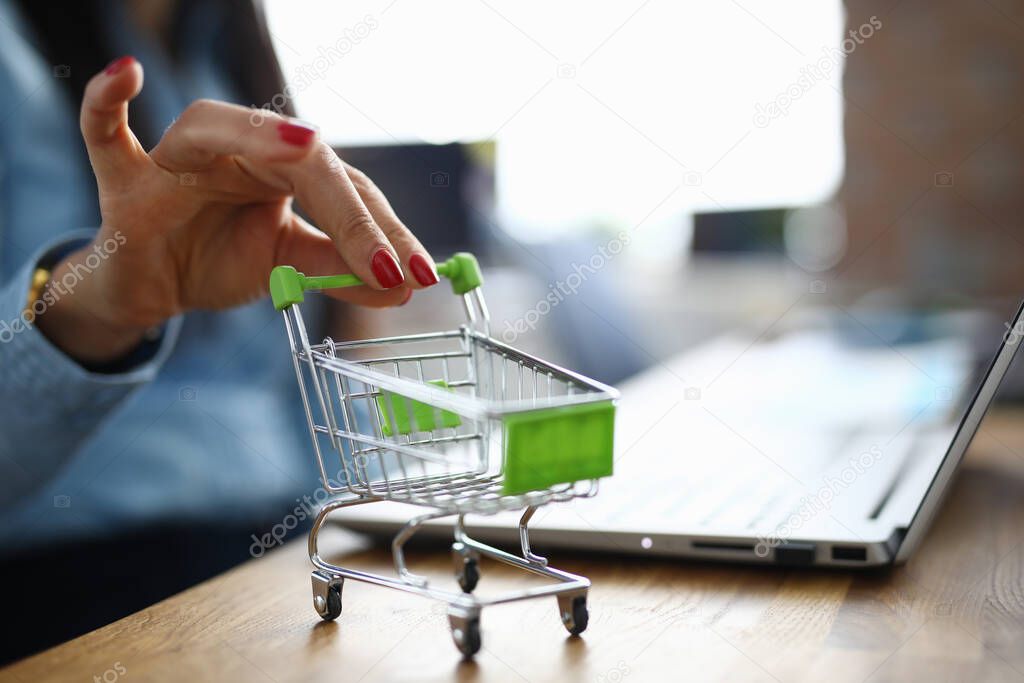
point(327, 596)
point(334, 604)
point(467, 639)
point(467, 566)
point(469, 576)
point(576, 618)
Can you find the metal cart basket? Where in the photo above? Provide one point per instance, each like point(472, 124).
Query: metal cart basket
point(457, 422)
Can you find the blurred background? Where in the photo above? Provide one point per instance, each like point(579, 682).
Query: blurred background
point(644, 175)
point(638, 178)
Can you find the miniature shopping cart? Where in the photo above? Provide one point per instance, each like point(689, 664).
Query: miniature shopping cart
point(457, 422)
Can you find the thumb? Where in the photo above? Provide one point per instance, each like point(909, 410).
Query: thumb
point(114, 151)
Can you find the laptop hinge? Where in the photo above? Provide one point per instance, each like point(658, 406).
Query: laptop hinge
point(895, 540)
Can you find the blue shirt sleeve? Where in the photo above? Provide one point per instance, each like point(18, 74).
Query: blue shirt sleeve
point(51, 403)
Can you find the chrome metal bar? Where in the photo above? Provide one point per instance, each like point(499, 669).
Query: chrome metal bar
point(419, 442)
point(289, 316)
point(569, 582)
point(524, 538)
point(401, 339)
point(415, 357)
point(452, 384)
point(398, 554)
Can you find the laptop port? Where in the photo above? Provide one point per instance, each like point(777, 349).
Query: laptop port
point(795, 554)
point(850, 553)
point(710, 545)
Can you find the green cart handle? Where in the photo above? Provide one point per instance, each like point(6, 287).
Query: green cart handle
point(287, 285)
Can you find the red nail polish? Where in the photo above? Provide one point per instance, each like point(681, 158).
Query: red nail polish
point(385, 269)
point(422, 270)
point(297, 134)
point(118, 64)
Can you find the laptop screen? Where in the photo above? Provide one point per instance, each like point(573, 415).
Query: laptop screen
point(969, 422)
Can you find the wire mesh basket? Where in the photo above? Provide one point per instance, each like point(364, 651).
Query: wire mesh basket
point(455, 421)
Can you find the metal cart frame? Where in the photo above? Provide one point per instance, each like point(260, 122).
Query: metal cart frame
point(422, 469)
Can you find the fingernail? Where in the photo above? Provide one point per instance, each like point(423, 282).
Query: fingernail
point(407, 299)
point(118, 64)
point(422, 270)
point(296, 133)
point(385, 269)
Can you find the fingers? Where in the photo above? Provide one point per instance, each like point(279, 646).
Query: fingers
point(313, 253)
point(323, 187)
point(209, 129)
point(286, 155)
point(114, 152)
point(415, 260)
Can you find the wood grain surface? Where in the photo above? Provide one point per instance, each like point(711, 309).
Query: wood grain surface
point(955, 612)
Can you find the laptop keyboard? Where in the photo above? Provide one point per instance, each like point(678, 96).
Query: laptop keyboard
point(751, 492)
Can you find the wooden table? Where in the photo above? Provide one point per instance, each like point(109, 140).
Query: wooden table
point(955, 612)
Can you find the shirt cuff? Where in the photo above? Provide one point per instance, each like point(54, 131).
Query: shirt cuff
point(36, 369)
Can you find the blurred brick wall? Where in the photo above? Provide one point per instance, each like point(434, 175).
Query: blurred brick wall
point(934, 128)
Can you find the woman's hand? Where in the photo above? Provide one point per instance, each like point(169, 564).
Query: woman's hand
point(199, 222)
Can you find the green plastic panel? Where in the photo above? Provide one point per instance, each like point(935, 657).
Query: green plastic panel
point(422, 417)
point(558, 446)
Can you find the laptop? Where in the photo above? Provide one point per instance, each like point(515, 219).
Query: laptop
point(808, 448)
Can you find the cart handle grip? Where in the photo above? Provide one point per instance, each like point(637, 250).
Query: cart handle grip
point(288, 285)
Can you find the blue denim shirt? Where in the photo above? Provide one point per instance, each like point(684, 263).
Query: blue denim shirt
point(205, 431)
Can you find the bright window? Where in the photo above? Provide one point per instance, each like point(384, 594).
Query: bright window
point(604, 114)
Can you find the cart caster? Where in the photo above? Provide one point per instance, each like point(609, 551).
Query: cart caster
point(469, 576)
point(467, 567)
point(465, 626)
point(327, 596)
point(575, 616)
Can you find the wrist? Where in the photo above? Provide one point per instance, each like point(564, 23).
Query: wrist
point(69, 313)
